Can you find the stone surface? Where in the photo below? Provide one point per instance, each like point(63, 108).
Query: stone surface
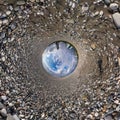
point(107, 2)
point(20, 2)
point(26, 26)
point(3, 112)
point(114, 7)
point(116, 18)
point(1, 105)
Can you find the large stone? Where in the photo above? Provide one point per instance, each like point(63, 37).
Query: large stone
point(109, 117)
point(1, 106)
point(107, 2)
point(113, 7)
point(12, 117)
point(3, 112)
point(116, 18)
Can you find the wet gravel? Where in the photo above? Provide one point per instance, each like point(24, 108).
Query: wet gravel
point(93, 25)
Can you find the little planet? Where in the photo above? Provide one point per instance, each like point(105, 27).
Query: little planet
point(60, 59)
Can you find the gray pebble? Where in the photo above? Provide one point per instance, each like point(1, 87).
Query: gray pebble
point(8, 12)
point(0, 22)
point(107, 2)
point(3, 97)
point(116, 18)
point(3, 112)
point(5, 21)
point(2, 35)
point(1, 106)
point(113, 7)
point(15, 117)
point(109, 117)
point(13, 26)
point(49, 118)
point(20, 2)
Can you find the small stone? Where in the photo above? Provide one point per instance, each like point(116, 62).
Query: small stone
point(113, 7)
point(43, 115)
point(49, 118)
point(1, 106)
point(96, 13)
point(70, 21)
point(32, 0)
point(2, 35)
point(15, 117)
point(1, 22)
point(119, 61)
point(3, 97)
point(7, 91)
point(109, 117)
point(96, 114)
point(118, 108)
point(101, 13)
point(13, 26)
point(8, 12)
point(3, 112)
point(3, 59)
point(117, 102)
point(21, 116)
point(93, 46)
point(21, 2)
point(85, 7)
point(90, 116)
point(116, 18)
point(10, 117)
point(5, 21)
point(107, 2)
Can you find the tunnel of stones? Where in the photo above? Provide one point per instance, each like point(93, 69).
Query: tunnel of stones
point(93, 86)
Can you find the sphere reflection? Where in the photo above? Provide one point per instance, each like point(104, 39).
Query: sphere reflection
point(60, 59)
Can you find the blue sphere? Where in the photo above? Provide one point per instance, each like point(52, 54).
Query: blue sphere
point(60, 59)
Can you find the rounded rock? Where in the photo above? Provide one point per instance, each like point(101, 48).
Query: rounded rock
point(114, 7)
point(3, 112)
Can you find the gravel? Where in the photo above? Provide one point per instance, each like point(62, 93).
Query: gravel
point(93, 92)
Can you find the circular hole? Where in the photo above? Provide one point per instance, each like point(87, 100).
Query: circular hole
point(60, 59)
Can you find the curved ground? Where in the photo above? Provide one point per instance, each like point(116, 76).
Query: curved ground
point(91, 92)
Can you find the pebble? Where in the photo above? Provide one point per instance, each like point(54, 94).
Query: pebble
point(118, 61)
point(70, 21)
point(118, 108)
point(3, 59)
point(13, 26)
point(5, 21)
point(32, 0)
point(85, 7)
point(3, 112)
point(101, 13)
point(8, 12)
point(117, 102)
point(1, 105)
point(116, 19)
point(15, 117)
point(1, 22)
point(96, 114)
point(2, 35)
point(109, 117)
point(20, 2)
point(12, 117)
point(49, 118)
point(107, 2)
point(113, 7)
point(3, 97)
